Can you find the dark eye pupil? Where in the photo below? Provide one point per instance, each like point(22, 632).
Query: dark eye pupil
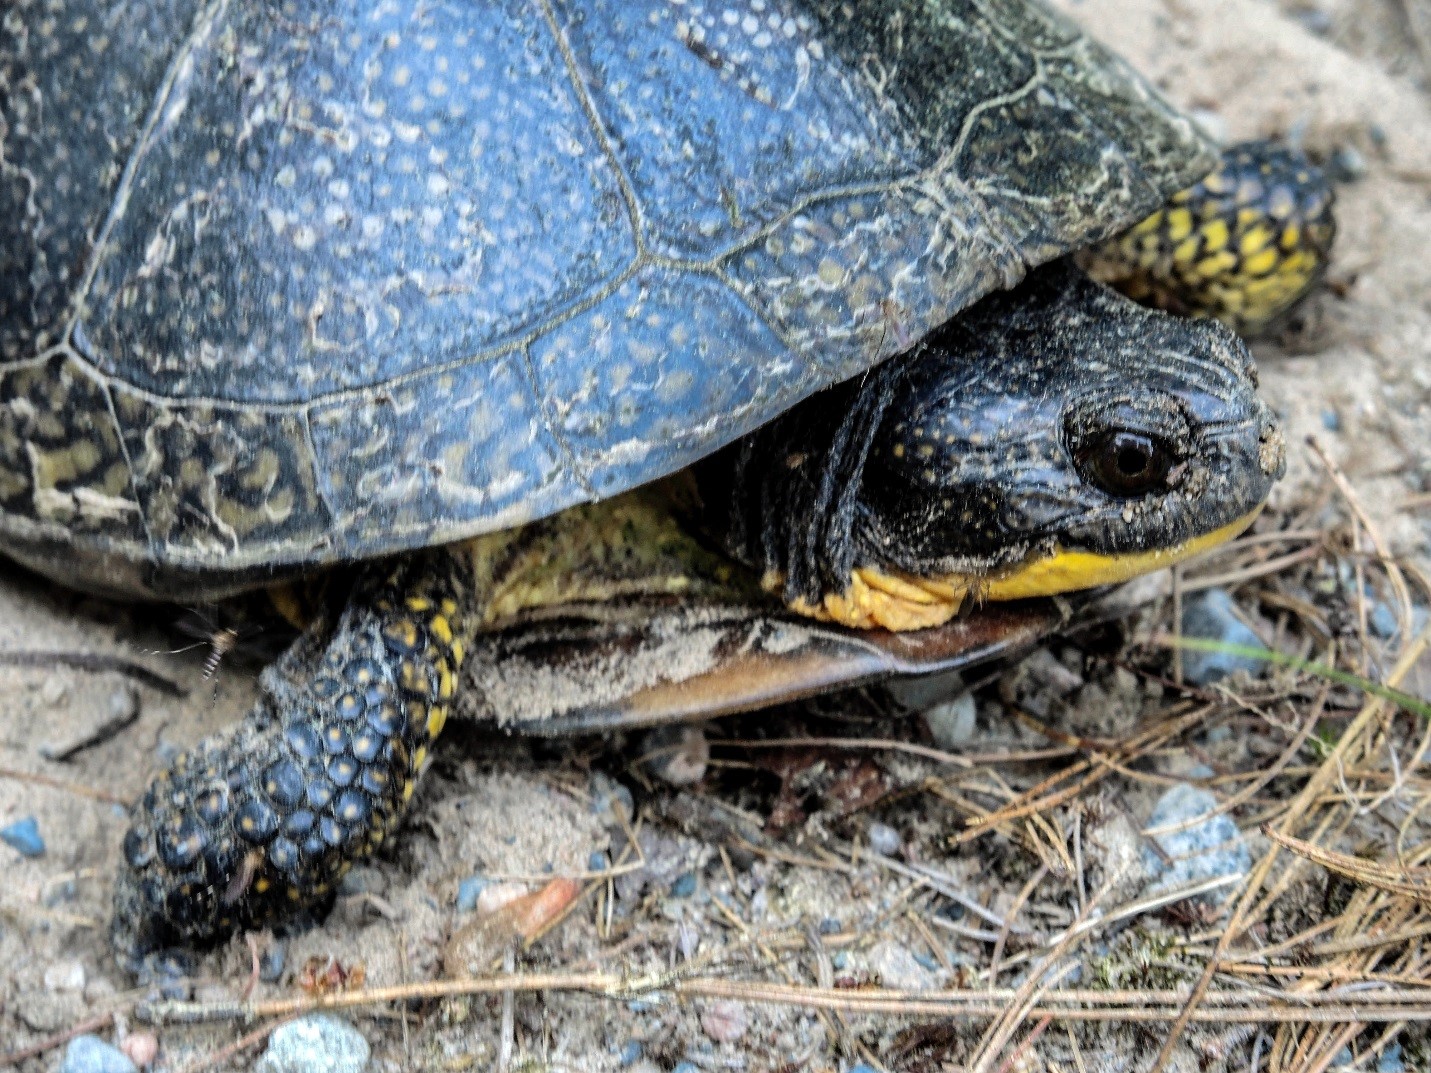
point(1132, 460)
point(1126, 464)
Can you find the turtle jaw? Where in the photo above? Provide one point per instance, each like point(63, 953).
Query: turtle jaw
point(1068, 570)
point(878, 600)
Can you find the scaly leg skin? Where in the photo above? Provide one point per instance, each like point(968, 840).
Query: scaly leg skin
point(1245, 245)
point(264, 820)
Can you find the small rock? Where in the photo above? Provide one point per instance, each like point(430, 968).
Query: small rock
point(1391, 1060)
point(677, 755)
point(90, 1054)
point(65, 976)
point(926, 690)
point(1382, 621)
point(829, 926)
point(1343, 1057)
point(884, 839)
point(665, 860)
point(1314, 20)
point(686, 1067)
point(272, 961)
point(1052, 673)
point(725, 1021)
point(898, 968)
point(688, 940)
point(598, 861)
point(1331, 420)
point(606, 796)
point(1347, 165)
point(860, 1067)
point(953, 723)
point(1210, 615)
point(468, 892)
point(54, 692)
point(141, 1048)
point(630, 1052)
point(24, 836)
point(363, 879)
point(59, 893)
point(317, 1043)
point(495, 895)
point(684, 886)
point(1213, 847)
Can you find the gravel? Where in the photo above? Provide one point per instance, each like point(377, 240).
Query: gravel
point(317, 1043)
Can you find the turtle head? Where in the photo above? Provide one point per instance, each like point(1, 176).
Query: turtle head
point(1052, 438)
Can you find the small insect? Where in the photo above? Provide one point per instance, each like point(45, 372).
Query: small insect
point(220, 640)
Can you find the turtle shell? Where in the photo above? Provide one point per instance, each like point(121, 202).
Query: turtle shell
point(284, 284)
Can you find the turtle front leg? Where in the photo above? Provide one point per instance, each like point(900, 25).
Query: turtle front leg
point(255, 823)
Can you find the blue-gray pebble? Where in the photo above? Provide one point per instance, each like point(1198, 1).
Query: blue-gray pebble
point(1209, 615)
point(270, 964)
point(1391, 1060)
point(317, 1043)
point(90, 1054)
point(24, 836)
point(884, 839)
point(1213, 847)
point(467, 893)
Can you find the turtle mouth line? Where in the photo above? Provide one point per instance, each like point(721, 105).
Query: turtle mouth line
point(1067, 570)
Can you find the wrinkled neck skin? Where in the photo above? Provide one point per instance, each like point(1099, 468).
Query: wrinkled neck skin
point(785, 500)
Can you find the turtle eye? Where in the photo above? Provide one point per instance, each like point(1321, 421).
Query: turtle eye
point(1126, 464)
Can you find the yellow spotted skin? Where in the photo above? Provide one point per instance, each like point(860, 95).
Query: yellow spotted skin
point(269, 816)
point(1245, 245)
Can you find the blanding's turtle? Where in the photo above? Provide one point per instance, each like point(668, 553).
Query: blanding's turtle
point(424, 288)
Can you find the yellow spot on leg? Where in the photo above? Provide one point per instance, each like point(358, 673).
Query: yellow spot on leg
point(441, 629)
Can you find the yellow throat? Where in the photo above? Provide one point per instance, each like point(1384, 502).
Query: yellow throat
point(876, 600)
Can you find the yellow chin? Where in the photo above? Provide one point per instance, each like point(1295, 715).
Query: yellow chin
point(1068, 571)
point(876, 600)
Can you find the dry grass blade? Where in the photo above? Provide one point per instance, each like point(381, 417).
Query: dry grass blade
point(1413, 882)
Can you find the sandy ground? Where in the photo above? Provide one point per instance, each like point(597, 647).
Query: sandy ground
point(1347, 78)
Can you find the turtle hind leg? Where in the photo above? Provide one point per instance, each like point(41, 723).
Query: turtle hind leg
point(1245, 245)
point(263, 820)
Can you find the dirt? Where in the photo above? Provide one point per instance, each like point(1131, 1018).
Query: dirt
point(1345, 78)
